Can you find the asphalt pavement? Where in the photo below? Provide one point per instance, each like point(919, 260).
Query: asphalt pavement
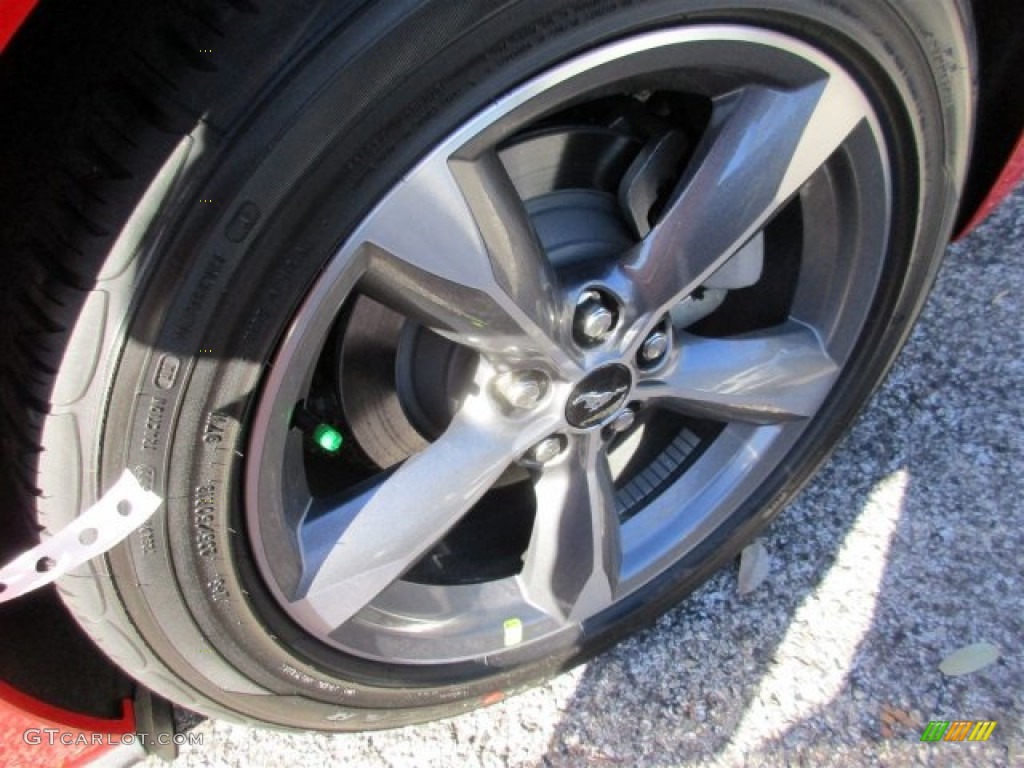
point(906, 547)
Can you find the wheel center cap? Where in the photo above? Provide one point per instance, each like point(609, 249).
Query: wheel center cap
point(599, 395)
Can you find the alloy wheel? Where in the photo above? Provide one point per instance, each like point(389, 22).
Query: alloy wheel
point(568, 345)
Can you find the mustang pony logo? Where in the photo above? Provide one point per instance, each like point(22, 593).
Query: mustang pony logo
point(597, 395)
point(594, 401)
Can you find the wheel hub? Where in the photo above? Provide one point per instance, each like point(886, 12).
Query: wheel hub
point(598, 395)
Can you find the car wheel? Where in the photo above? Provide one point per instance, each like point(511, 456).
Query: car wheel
point(462, 341)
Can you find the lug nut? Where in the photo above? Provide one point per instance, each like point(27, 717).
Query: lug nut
point(654, 347)
point(622, 422)
point(595, 318)
point(546, 450)
point(521, 389)
point(596, 321)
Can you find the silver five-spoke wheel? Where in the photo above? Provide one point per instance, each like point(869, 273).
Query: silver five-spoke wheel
point(568, 344)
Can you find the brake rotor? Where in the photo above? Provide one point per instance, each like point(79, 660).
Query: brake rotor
point(399, 383)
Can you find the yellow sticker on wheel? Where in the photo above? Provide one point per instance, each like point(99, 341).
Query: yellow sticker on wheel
point(513, 632)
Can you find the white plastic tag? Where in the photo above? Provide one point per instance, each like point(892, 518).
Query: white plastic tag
point(102, 526)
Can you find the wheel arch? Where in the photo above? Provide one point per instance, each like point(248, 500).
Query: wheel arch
point(1000, 114)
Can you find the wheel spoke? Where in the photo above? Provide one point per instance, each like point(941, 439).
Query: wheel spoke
point(761, 146)
point(356, 544)
point(453, 247)
point(571, 568)
point(771, 376)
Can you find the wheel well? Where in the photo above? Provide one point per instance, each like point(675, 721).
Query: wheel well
point(1000, 117)
point(53, 62)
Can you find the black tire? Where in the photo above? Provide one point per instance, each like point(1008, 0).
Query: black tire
point(231, 180)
